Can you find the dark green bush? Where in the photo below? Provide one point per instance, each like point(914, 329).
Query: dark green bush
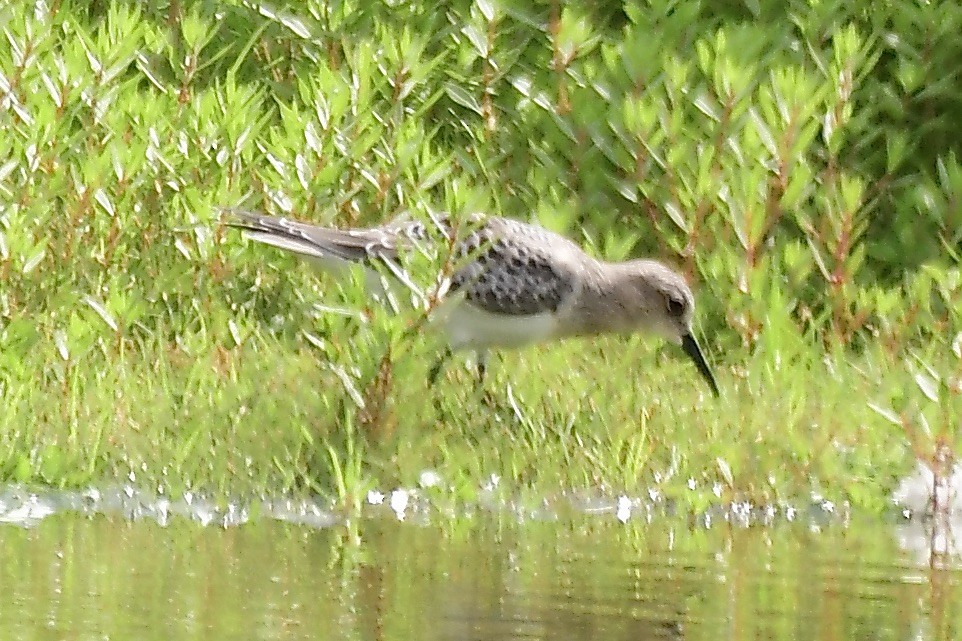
point(799, 160)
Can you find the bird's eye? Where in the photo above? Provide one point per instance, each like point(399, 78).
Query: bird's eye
point(676, 306)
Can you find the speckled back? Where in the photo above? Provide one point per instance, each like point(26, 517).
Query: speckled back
point(510, 267)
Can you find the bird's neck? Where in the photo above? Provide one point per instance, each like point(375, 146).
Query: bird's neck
point(607, 303)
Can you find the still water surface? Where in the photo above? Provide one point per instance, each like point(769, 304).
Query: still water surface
point(73, 577)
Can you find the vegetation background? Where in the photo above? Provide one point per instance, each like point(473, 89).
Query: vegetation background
point(797, 159)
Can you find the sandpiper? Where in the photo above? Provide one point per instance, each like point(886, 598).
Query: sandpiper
point(512, 284)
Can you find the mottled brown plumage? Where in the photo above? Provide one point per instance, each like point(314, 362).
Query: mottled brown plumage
point(520, 283)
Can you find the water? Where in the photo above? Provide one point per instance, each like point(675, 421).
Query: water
point(76, 577)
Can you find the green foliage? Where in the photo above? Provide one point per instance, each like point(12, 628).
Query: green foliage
point(798, 160)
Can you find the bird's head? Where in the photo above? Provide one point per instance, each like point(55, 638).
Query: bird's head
point(670, 307)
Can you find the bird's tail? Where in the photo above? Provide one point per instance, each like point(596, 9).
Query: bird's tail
point(352, 245)
point(375, 248)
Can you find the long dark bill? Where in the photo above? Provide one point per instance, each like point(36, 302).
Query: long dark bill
point(690, 345)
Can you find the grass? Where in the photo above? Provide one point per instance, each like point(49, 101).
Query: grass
point(802, 188)
point(621, 415)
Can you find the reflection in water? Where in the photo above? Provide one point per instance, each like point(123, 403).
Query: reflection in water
point(934, 503)
point(73, 577)
point(932, 536)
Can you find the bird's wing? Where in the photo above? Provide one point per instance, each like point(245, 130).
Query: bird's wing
point(354, 245)
point(515, 269)
point(503, 266)
point(374, 247)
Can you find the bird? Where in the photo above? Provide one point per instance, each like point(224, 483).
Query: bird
point(513, 283)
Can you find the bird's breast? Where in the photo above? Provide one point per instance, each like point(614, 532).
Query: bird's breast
point(468, 326)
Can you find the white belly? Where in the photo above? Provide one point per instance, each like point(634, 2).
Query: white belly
point(466, 326)
point(462, 325)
